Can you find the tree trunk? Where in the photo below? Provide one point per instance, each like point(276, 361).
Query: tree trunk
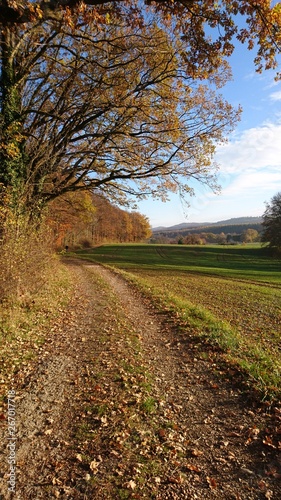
point(13, 160)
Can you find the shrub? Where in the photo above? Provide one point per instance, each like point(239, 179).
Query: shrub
point(26, 257)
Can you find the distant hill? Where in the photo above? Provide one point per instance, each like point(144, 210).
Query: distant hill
point(231, 228)
point(201, 226)
point(238, 220)
point(183, 225)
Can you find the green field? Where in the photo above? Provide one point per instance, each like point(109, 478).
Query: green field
point(230, 296)
point(243, 262)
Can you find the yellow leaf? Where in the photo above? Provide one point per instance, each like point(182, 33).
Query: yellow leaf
point(131, 484)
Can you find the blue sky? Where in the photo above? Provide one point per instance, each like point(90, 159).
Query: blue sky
point(250, 163)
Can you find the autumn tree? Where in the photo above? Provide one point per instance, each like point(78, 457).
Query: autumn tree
point(194, 239)
point(70, 216)
point(141, 227)
point(250, 235)
point(221, 239)
point(110, 96)
point(272, 223)
point(111, 224)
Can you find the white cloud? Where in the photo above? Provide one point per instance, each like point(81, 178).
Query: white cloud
point(254, 183)
point(255, 148)
point(275, 96)
point(245, 195)
point(250, 174)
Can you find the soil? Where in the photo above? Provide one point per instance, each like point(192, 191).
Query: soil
point(121, 403)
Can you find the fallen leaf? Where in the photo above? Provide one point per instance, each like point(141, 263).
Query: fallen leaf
point(273, 472)
point(225, 443)
point(196, 453)
point(175, 479)
point(253, 432)
point(192, 467)
point(131, 484)
point(268, 442)
point(212, 483)
point(94, 465)
point(262, 485)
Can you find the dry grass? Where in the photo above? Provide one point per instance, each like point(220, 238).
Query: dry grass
point(34, 287)
point(25, 257)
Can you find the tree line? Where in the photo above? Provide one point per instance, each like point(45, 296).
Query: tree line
point(84, 220)
point(248, 235)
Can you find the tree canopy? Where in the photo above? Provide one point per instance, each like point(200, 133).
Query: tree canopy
point(121, 97)
point(190, 17)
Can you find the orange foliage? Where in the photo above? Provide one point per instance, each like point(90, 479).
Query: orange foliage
point(82, 219)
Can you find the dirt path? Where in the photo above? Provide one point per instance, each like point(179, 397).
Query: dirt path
point(122, 405)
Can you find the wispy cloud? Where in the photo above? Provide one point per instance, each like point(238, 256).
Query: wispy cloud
point(255, 149)
point(275, 96)
point(245, 195)
point(250, 174)
point(253, 183)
